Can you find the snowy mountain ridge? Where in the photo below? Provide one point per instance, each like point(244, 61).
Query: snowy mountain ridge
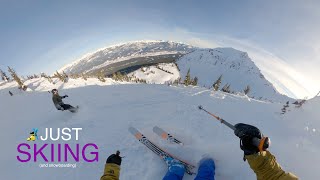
point(123, 52)
point(236, 68)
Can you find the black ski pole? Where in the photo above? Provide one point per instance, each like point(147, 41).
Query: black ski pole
point(261, 144)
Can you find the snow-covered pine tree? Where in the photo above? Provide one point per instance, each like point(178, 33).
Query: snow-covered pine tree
point(43, 75)
point(216, 85)
point(17, 79)
point(177, 81)
point(84, 76)
point(246, 90)
point(195, 81)
point(187, 80)
point(114, 76)
point(4, 76)
point(100, 75)
point(119, 76)
point(65, 76)
point(284, 108)
point(226, 88)
point(49, 79)
point(287, 104)
point(61, 77)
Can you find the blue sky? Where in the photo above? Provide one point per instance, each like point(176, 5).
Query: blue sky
point(282, 37)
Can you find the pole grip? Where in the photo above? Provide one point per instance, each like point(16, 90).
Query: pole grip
point(256, 142)
point(261, 144)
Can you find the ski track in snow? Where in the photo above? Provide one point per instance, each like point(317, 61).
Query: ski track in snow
point(106, 112)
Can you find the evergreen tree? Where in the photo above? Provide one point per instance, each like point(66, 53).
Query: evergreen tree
point(49, 79)
point(247, 90)
point(226, 88)
point(66, 77)
point(4, 76)
point(114, 76)
point(61, 77)
point(195, 81)
point(187, 80)
point(84, 76)
point(119, 76)
point(17, 79)
point(101, 76)
point(299, 104)
point(177, 81)
point(43, 75)
point(216, 85)
point(125, 77)
point(286, 105)
point(284, 108)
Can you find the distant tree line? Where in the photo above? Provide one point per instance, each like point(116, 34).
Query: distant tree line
point(117, 76)
point(160, 68)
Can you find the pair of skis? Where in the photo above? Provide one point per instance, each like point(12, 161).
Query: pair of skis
point(157, 150)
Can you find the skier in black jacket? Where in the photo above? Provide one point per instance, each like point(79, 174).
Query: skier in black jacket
point(58, 103)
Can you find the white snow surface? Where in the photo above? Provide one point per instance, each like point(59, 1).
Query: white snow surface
point(106, 112)
point(161, 74)
point(236, 68)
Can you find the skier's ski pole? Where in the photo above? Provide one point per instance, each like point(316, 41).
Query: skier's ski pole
point(219, 119)
point(262, 144)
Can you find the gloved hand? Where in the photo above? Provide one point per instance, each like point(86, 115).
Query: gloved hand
point(246, 133)
point(115, 158)
point(65, 96)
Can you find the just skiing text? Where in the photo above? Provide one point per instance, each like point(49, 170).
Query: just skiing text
point(58, 152)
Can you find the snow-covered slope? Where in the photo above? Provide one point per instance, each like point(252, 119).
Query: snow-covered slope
point(107, 111)
point(158, 74)
point(236, 68)
point(140, 50)
point(42, 84)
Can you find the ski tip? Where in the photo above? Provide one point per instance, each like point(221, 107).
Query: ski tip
point(132, 130)
point(156, 129)
point(135, 132)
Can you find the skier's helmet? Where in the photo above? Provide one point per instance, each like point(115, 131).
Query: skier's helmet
point(54, 90)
